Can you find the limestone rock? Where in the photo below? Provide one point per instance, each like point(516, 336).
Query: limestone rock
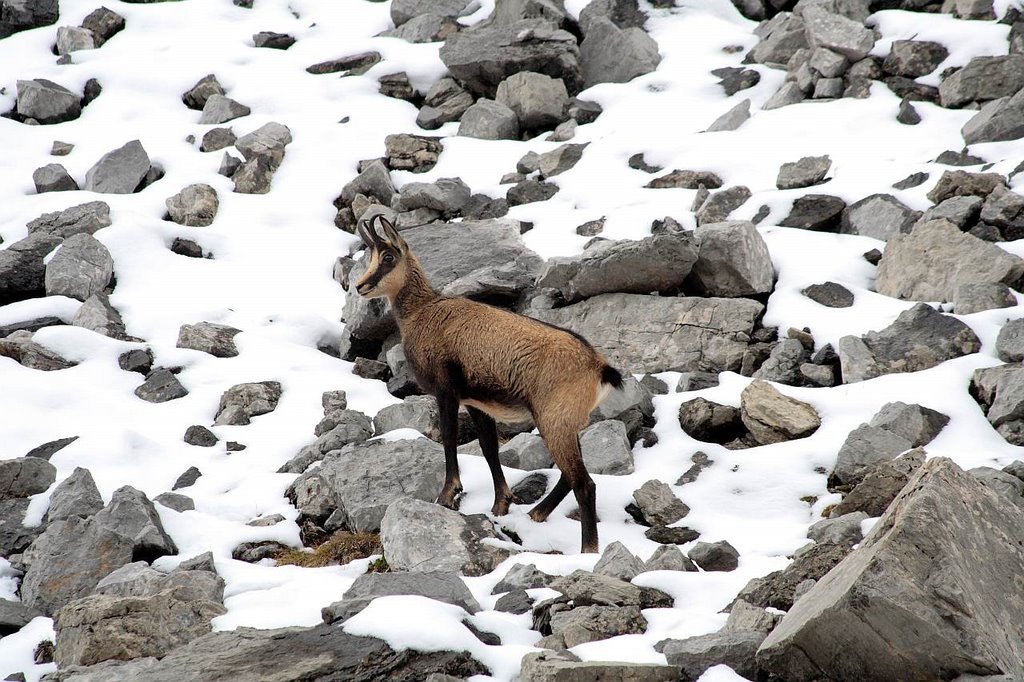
point(773, 417)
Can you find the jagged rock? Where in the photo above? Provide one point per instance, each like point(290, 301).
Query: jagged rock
point(75, 497)
point(200, 436)
point(25, 476)
point(96, 314)
point(84, 218)
point(744, 617)
point(196, 205)
point(446, 195)
point(360, 480)
point(973, 298)
point(187, 478)
point(33, 325)
point(53, 177)
point(838, 33)
point(526, 451)
point(1004, 209)
point(686, 179)
point(915, 423)
point(880, 216)
point(137, 612)
point(176, 501)
point(445, 101)
point(920, 338)
point(785, 363)
point(592, 589)
point(14, 537)
point(656, 263)
point(717, 207)
point(481, 57)
point(216, 139)
point(735, 79)
point(732, 119)
point(137, 360)
point(130, 513)
point(516, 602)
point(843, 529)
point(416, 153)
point(407, 10)
point(1002, 483)
point(914, 58)
point(346, 426)
point(121, 171)
point(999, 120)
point(20, 347)
point(529, 191)
point(964, 184)
point(907, 114)
point(444, 586)
point(781, 37)
point(241, 402)
point(610, 54)
point(789, 93)
point(669, 558)
point(349, 65)
point(489, 120)
point(808, 171)
point(21, 16)
point(419, 412)
point(818, 212)
point(680, 334)
point(1010, 342)
point(373, 181)
point(658, 504)
point(208, 337)
point(14, 616)
point(559, 160)
point(836, 630)
point(563, 666)
point(539, 102)
point(732, 260)
point(80, 268)
point(47, 102)
point(777, 590)
point(606, 449)
point(931, 262)
point(773, 417)
point(523, 577)
point(982, 80)
point(22, 270)
point(708, 421)
point(734, 648)
point(714, 556)
point(864, 446)
point(424, 28)
point(73, 38)
point(196, 96)
point(288, 653)
point(420, 536)
point(272, 40)
point(618, 562)
point(160, 386)
point(830, 294)
point(584, 624)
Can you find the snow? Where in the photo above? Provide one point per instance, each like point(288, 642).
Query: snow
point(271, 277)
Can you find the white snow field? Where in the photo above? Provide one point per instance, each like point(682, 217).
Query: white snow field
point(271, 277)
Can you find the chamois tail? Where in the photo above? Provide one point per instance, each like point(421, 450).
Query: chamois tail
point(611, 376)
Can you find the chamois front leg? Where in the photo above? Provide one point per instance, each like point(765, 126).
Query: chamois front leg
point(448, 411)
point(543, 510)
point(488, 433)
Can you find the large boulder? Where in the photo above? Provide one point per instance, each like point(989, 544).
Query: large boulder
point(924, 597)
point(936, 258)
point(21, 15)
point(610, 54)
point(920, 338)
point(121, 171)
point(999, 120)
point(539, 101)
point(421, 536)
point(773, 417)
point(240, 403)
point(43, 100)
point(658, 263)
point(81, 267)
point(484, 56)
point(655, 333)
point(564, 666)
point(356, 484)
point(733, 260)
point(87, 218)
point(25, 476)
point(881, 216)
point(443, 586)
point(982, 80)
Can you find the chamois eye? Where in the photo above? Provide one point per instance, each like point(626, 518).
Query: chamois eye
point(388, 258)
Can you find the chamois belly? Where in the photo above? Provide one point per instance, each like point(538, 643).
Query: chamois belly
point(499, 411)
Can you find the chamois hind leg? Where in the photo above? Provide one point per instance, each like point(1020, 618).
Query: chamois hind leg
point(488, 433)
point(562, 438)
point(543, 510)
point(448, 411)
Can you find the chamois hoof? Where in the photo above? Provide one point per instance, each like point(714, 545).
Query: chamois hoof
point(539, 515)
point(500, 507)
point(450, 500)
point(589, 548)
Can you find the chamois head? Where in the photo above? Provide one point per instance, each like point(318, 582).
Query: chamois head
point(389, 256)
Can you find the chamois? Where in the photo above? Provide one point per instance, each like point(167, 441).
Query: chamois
point(500, 366)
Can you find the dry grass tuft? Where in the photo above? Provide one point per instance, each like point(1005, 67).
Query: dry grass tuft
point(339, 549)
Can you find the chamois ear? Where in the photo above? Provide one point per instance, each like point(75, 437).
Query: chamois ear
point(390, 233)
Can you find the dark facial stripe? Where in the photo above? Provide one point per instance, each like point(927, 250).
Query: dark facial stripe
point(382, 270)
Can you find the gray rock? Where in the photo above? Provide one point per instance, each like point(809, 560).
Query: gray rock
point(160, 386)
point(657, 263)
point(961, 211)
point(819, 212)
point(419, 412)
point(777, 590)
point(714, 556)
point(744, 617)
point(686, 179)
point(781, 37)
point(272, 40)
point(606, 449)
point(253, 176)
point(915, 423)
point(864, 446)
point(22, 270)
point(84, 218)
point(416, 153)
point(176, 501)
point(773, 417)
point(618, 562)
point(658, 504)
point(523, 577)
point(931, 262)
point(20, 347)
point(196, 205)
point(982, 80)
point(975, 9)
point(53, 177)
point(75, 497)
point(73, 38)
point(482, 57)
point(216, 139)
point(130, 513)
point(785, 362)
point(808, 171)
point(516, 602)
point(196, 96)
point(445, 101)
point(15, 537)
point(97, 315)
point(347, 426)
point(406, 10)
point(444, 586)
point(266, 142)
point(717, 207)
point(14, 616)
point(424, 28)
point(669, 558)
point(140, 615)
point(1004, 208)
point(374, 181)
point(20, 16)
point(844, 529)
point(80, 268)
point(229, 165)
point(446, 195)
point(489, 120)
point(47, 102)
point(974, 298)
point(560, 159)
point(914, 58)
point(120, 171)
point(1001, 483)
point(221, 109)
point(732, 119)
point(563, 666)
point(788, 93)
point(829, 64)
point(529, 191)
point(420, 536)
point(958, 183)
point(208, 337)
point(838, 33)
point(584, 624)
point(837, 631)
point(732, 260)
point(708, 421)
point(610, 54)
point(25, 476)
point(694, 655)
point(999, 120)
point(880, 216)
point(539, 102)
point(680, 334)
point(526, 451)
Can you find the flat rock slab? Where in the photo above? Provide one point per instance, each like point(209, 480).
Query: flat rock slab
point(924, 597)
point(654, 334)
point(563, 666)
point(443, 586)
